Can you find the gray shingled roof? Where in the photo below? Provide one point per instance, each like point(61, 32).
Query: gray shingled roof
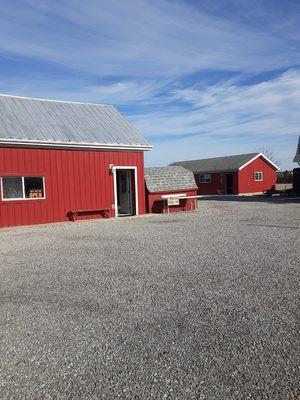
point(161, 179)
point(297, 155)
point(26, 119)
point(218, 164)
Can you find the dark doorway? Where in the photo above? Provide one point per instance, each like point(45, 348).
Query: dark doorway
point(126, 192)
point(229, 184)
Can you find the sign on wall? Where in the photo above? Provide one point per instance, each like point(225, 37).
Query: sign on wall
point(173, 201)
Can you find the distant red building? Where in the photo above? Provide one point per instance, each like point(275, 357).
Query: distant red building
point(240, 174)
point(170, 189)
point(60, 160)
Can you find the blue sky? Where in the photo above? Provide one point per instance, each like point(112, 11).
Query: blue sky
point(198, 78)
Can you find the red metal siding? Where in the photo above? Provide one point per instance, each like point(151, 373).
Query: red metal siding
point(246, 177)
point(156, 204)
point(243, 180)
point(74, 179)
point(217, 185)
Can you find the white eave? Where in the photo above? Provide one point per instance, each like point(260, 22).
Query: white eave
point(257, 156)
point(73, 145)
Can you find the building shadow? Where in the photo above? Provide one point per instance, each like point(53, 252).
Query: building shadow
point(251, 199)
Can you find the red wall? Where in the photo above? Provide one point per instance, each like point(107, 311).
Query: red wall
point(246, 179)
point(74, 180)
point(243, 180)
point(217, 185)
point(156, 203)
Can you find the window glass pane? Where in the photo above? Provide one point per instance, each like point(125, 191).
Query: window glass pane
point(34, 188)
point(12, 187)
point(258, 176)
point(205, 178)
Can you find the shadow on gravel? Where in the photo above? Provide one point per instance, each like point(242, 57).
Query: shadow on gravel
point(253, 199)
point(274, 226)
point(173, 221)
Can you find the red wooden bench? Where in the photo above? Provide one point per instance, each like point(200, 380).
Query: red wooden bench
point(102, 211)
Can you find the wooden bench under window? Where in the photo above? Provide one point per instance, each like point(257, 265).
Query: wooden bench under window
point(104, 212)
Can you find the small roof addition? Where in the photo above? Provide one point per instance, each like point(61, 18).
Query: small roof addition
point(222, 164)
point(162, 179)
point(53, 123)
point(297, 155)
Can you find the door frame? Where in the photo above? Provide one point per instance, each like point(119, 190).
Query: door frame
point(115, 168)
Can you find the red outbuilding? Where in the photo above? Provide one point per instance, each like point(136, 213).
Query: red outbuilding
point(170, 189)
point(63, 160)
point(240, 174)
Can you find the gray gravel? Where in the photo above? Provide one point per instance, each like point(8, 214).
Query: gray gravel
point(201, 305)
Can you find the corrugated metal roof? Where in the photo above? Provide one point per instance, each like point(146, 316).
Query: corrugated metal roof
point(27, 119)
point(217, 164)
point(297, 155)
point(161, 179)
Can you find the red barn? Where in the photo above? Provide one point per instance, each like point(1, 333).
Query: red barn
point(240, 174)
point(170, 189)
point(61, 159)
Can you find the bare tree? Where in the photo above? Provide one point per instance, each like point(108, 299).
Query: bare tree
point(268, 152)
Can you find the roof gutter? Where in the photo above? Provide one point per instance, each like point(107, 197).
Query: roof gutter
point(73, 145)
point(219, 171)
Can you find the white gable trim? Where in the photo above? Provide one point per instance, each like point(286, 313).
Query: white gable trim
point(257, 156)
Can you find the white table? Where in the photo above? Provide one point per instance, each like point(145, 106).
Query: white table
point(179, 196)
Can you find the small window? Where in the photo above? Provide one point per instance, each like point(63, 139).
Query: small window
point(12, 187)
point(22, 187)
point(205, 178)
point(34, 187)
point(258, 176)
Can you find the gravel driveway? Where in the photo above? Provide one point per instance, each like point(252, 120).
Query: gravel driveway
point(201, 305)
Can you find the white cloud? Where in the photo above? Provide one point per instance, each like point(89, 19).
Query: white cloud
point(132, 52)
point(190, 122)
point(227, 118)
point(120, 93)
point(204, 147)
point(142, 38)
point(266, 108)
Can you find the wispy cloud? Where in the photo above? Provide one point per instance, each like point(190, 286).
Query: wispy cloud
point(198, 78)
point(264, 109)
point(141, 38)
point(262, 114)
point(119, 93)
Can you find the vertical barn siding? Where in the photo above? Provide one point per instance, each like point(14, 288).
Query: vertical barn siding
point(246, 178)
point(74, 179)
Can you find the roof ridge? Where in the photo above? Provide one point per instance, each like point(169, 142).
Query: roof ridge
point(54, 100)
point(213, 158)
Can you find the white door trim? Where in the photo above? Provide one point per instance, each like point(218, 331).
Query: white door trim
point(114, 171)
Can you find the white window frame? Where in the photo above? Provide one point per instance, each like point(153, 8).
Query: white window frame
point(23, 188)
point(259, 179)
point(205, 175)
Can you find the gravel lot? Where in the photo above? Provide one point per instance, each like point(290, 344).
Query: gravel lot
point(201, 305)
